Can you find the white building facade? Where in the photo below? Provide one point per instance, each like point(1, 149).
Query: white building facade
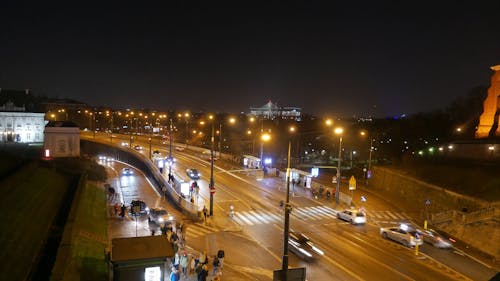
point(19, 126)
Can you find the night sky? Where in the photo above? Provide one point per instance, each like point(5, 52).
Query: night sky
point(345, 60)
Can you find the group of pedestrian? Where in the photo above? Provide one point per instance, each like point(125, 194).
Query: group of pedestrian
point(120, 210)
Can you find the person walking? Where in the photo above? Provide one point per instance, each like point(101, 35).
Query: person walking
point(220, 255)
point(183, 262)
point(205, 212)
point(192, 264)
point(174, 274)
point(215, 265)
point(203, 273)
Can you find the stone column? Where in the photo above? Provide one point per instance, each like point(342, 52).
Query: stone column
point(490, 106)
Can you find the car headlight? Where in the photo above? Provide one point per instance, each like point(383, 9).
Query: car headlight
point(160, 219)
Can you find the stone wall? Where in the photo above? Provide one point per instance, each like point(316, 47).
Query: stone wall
point(414, 193)
point(478, 225)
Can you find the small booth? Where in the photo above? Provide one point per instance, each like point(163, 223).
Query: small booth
point(251, 162)
point(301, 178)
point(141, 258)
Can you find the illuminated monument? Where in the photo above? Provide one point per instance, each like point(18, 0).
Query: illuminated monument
point(491, 108)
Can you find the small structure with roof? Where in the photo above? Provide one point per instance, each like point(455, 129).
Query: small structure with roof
point(62, 139)
point(141, 258)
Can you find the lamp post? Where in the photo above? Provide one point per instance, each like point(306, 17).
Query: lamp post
point(170, 150)
point(284, 268)
point(212, 184)
point(363, 133)
point(338, 131)
point(232, 120)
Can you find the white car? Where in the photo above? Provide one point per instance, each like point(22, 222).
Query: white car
point(352, 216)
point(127, 172)
point(179, 148)
point(402, 234)
point(125, 144)
point(159, 216)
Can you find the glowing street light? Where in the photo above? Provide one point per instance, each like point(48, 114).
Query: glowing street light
point(287, 206)
point(338, 131)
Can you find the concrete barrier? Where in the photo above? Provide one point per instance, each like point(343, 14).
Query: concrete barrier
point(95, 147)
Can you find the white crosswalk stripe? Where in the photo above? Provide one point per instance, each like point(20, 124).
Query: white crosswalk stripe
point(387, 215)
point(196, 230)
point(256, 217)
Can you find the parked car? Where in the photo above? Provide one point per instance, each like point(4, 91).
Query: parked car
point(125, 144)
point(127, 172)
point(179, 148)
point(402, 234)
point(435, 239)
point(138, 207)
point(138, 147)
point(303, 247)
point(193, 174)
point(156, 152)
point(352, 216)
point(159, 216)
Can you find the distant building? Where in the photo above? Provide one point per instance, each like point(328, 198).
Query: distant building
point(17, 125)
point(62, 139)
point(272, 111)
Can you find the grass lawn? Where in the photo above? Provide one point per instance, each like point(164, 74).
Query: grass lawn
point(30, 200)
point(83, 246)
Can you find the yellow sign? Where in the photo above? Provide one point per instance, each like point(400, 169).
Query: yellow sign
point(352, 183)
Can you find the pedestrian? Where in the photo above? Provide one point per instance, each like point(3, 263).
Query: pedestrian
point(176, 260)
point(174, 274)
point(220, 255)
point(203, 273)
point(205, 212)
point(215, 265)
point(183, 262)
point(123, 209)
point(192, 264)
point(203, 258)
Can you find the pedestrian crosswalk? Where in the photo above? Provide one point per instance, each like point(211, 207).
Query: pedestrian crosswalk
point(387, 216)
point(255, 217)
point(196, 230)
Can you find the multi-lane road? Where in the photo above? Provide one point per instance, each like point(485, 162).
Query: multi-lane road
point(253, 237)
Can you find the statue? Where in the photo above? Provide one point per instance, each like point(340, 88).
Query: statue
point(490, 107)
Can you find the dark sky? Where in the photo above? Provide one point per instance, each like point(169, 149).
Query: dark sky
point(365, 58)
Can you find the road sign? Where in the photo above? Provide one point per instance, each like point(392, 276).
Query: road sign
point(352, 183)
point(363, 198)
point(334, 179)
point(212, 190)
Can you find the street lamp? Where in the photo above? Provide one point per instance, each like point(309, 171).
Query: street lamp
point(212, 183)
point(170, 151)
point(338, 131)
point(231, 120)
point(363, 133)
point(284, 268)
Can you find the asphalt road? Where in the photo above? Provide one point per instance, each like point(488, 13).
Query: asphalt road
point(253, 238)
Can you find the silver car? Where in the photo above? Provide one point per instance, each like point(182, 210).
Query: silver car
point(159, 216)
point(352, 216)
point(435, 239)
point(407, 237)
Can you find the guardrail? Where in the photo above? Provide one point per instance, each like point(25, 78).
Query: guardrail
point(141, 162)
